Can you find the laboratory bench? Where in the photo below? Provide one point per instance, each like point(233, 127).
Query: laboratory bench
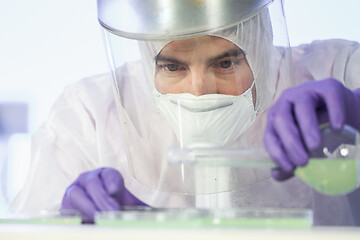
point(88, 232)
point(148, 223)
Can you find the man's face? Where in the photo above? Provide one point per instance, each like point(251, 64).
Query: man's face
point(203, 65)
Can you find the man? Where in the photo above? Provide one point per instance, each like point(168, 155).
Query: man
point(203, 90)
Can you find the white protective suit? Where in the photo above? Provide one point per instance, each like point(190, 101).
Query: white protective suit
point(83, 133)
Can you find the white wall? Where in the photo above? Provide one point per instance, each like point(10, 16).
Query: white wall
point(46, 45)
point(308, 20)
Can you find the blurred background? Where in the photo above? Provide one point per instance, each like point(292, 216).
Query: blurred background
point(47, 45)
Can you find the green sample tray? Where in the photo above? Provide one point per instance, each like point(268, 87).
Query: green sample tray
point(198, 218)
point(61, 217)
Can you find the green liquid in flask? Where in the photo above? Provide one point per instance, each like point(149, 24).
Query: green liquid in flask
point(330, 176)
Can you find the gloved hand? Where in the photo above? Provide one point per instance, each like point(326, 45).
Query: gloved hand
point(293, 121)
point(98, 190)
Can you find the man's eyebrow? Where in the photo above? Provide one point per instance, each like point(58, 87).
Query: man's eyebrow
point(168, 59)
point(230, 53)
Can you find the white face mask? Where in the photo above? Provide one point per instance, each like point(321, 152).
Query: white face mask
point(212, 120)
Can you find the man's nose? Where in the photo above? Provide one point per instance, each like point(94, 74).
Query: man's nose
point(201, 82)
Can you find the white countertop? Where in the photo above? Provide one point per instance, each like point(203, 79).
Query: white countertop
point(88, 232)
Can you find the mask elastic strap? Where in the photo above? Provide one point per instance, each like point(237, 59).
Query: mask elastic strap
point(248, 91)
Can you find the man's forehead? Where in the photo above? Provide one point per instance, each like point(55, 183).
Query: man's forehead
point(208, 43)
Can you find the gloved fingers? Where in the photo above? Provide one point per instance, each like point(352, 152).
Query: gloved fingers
point(274, 146)
point(293, 122)
point(76, 198)
point(113, 181)
point(280, 175)
point(95, 189)
point(285, 127)
point(114, 184)
point(327, 98)
point(331, 93)
point(307, 120)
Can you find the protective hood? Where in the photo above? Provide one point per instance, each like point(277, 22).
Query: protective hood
point(149, 136)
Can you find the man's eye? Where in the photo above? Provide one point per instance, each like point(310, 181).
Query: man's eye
point(225, 64)
point(172, 67)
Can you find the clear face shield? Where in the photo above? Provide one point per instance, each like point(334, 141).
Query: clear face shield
point(192, 81)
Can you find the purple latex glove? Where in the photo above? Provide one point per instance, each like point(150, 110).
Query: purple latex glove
point(293, 121)
point(98, 190)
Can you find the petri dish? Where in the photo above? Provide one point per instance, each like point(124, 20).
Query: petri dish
point(51, 217)
point(146, 217)
point(259, 218)
point(207, 218)
point(334, 167)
